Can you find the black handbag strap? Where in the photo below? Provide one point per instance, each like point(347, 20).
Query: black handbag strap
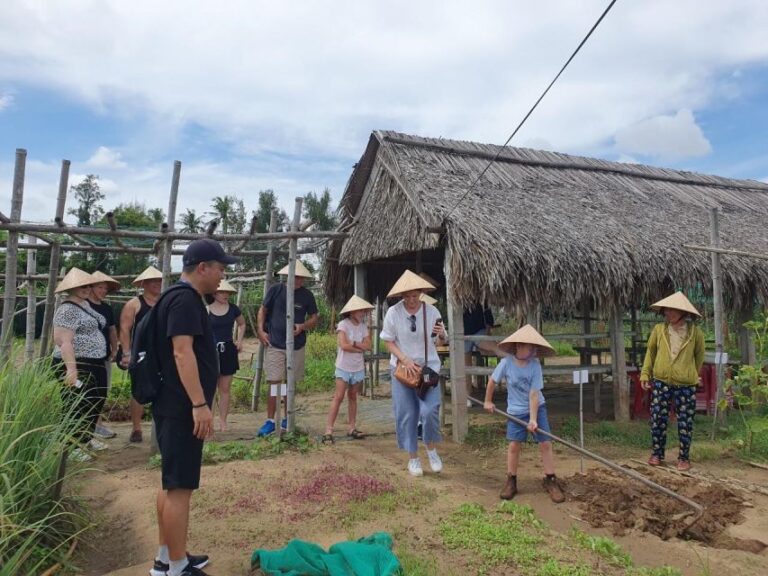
point(424, 310)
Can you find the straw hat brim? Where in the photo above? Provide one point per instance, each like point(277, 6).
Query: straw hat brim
point(225, 286)
point(301, 271)
point(151, 273)
point(428, 299)
point(527, 335)
point(676, 301)
point(354, 304)
point(435, 284)
point(407, 282)
point(75, 278)
point(112, 284)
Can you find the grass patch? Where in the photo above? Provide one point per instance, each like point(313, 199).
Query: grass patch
point(257, 449)
point(603, 547)
point(382, 505)
point(414, 565)
point(37, 521)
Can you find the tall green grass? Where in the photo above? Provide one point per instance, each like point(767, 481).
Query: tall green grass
point(37, 523)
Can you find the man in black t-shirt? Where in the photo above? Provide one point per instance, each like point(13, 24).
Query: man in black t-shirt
point(182, 410)
point(272, 334)
point(99, 292)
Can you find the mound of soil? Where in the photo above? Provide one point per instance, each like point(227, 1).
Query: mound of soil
point(616, 502)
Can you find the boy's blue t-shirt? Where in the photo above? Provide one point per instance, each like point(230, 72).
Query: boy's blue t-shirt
point(520, 381)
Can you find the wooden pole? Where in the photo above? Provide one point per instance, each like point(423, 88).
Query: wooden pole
point(267, 283)
point(456, 344)
point(171, 219)
point(11, 257)
point(290, 320)
point(29, 341)
point(376, 343)
point(717, 300)
point(50, 294)
point(619, 366)
point(746, 344)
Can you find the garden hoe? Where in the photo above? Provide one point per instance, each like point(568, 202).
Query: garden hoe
point(698, 508)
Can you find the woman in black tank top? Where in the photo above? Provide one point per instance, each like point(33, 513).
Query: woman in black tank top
point(224, 317)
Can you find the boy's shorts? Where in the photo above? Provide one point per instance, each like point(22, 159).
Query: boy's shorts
point(518, 433)
point(350, 378)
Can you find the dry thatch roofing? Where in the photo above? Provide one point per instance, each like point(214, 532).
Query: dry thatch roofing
point(543, 227)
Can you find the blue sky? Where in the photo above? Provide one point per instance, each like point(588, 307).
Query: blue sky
point(284, 97)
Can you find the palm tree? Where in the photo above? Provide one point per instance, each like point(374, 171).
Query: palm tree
point(223, 210)
point(191, 223)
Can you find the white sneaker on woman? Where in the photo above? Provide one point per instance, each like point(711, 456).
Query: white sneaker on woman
point(414, 467)
point(80, 455)
point(434, 461)
point(97, 445)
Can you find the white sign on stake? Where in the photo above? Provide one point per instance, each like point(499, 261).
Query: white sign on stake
point(283, 389)
point(581, 376)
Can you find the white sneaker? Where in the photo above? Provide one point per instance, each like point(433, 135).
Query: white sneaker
point(80, 455)
point(97, 445)
point(434, 461)
point(414, 467)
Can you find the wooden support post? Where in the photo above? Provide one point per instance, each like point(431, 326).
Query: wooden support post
point(29, 341)
point(717, 301)
point(259, 371)
point(50, 294)
point(376, 344)
point(11, 258)
point(746, 344)
point(456, 343)
point(171, 219)
point(619, 366)
point(290, 321)
point(359, 281)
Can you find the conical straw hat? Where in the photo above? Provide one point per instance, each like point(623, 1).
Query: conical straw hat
point(428, 299)
point(356, 303)
point(225, 286)
point(74, 279)
point(112, 284)
point(677, 301)
point(151, 273)
point(407, 282)
point(527, 335)
point(301, 270)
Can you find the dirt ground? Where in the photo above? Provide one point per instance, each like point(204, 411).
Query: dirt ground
point(244, 505)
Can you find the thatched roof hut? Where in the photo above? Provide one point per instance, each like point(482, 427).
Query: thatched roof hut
point(541, 227)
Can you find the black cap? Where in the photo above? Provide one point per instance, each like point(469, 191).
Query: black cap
point(205, 250)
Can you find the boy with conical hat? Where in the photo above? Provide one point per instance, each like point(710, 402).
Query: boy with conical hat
point(670, 371)
point(150, 281)
point(271, 329)
point(525, 380)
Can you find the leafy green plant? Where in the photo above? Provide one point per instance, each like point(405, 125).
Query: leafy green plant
point(749, 386)
point(602, 546)
point(37, 521)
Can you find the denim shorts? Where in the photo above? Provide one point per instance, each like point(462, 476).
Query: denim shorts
point(350, 378)
point(518, 433)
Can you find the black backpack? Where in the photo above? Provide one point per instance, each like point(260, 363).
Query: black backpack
point(144, 368)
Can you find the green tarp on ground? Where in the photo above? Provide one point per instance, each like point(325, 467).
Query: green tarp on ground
point(369, 556)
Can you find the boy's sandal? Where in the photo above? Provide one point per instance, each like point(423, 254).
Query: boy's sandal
point(327, 439)
point(655, 461)
point(355, 434)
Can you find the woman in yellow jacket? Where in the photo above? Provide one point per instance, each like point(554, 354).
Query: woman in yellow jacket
point(671, 371)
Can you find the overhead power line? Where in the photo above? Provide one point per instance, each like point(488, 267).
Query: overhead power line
point(520, 125)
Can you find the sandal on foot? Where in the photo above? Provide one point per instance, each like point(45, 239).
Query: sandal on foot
point(355, 434)
point(327, 439)
point(654, 461)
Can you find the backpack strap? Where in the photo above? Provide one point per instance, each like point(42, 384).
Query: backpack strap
point(89, 314)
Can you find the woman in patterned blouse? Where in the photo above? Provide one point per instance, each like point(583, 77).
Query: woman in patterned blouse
point(78, 357)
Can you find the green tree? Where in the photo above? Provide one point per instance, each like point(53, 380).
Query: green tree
point(317, 209)
point(191, 223)
point(268, 202)
point(89, 197)
point(223, 208)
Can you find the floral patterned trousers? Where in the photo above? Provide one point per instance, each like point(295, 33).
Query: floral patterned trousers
point(685, 408)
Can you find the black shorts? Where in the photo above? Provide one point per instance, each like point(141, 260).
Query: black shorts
point(181, 451)
point(228, 361)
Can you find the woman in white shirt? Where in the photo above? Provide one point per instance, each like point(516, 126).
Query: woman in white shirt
point(404, 335)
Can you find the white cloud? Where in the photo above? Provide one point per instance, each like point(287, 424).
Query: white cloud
point(276, 84)
point(665, 137)
point(6, 100)
point(105, 158)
